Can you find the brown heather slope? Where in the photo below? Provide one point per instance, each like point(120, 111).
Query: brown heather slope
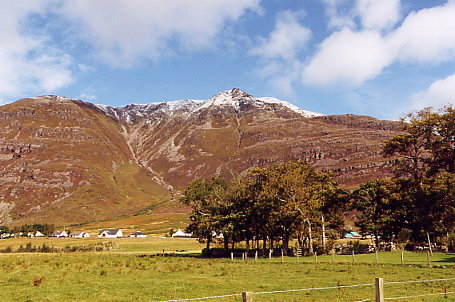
point(67, 161)
point(64, 161)
point(227, 140)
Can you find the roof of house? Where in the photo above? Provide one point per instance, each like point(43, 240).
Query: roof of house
point(351, 235)
point(110, 231)
point(78, 233)
point(138, 233)
point(56, 233)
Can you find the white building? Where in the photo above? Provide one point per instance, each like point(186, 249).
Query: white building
point(138, 234)
point(80, 235)
point(39, 234)
point(60, 234)
point(180, 233)
point(110, 233)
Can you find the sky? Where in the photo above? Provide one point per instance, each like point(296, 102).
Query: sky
point(382, 58)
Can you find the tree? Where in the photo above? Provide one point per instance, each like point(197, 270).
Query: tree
point(428, 145)
point(379, 207)
point(426, 167)
point(207, 198)
point(288, 196)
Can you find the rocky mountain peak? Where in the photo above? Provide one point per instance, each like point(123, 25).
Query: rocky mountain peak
point(234, 93)
point(67, 161)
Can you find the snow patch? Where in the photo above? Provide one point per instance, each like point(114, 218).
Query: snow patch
point(305, 113)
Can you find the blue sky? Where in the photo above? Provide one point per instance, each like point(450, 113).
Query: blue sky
point(380, 58)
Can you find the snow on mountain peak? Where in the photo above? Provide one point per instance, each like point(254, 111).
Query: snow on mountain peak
point(305, 113)
point(234, 98)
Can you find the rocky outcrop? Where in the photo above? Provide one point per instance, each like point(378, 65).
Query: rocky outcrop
point(65, 160)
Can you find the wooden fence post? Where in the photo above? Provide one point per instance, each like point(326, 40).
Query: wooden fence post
point(402, 257)
point(270, 254)
point(282, 255)
point(428, 259)
point(379, 285)
point(316, 257)
point(377, 256)
point(353, 257)
point(232, 256)
point(429, 244)
point(247, 297)
point(256, 256)
point(333, 256)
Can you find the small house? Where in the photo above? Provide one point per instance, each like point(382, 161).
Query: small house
point(352, 235)
point(30, 234)
point(60, 234)
point(39, 234)
point(80, 235)
point(180, 233)
point(110, 233)
point(138, 234)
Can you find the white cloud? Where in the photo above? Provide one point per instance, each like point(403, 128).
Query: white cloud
point(427, 36)
point(340, 13)
point(349, 58)
point(372, 14)
point(28, 63)
point(287, 39)
point(439, 94)
point(122, 31)
point(353, 57)
point(279, 52)
point(378, 15)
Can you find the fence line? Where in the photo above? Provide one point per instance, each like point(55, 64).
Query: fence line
point(426, 295)
point(419, 281)
point(325, 288)
point(203, 298)
point(272, 292)
point(313, 288)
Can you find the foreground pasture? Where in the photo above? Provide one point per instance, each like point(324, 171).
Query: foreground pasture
point(123, 275)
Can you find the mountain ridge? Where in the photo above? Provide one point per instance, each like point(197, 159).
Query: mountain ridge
point(69, 161)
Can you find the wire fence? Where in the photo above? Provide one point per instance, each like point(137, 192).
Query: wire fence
point(328, 288)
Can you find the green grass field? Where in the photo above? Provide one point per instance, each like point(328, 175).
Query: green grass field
point(122, 275)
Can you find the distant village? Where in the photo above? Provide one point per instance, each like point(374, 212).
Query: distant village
point(106, 233)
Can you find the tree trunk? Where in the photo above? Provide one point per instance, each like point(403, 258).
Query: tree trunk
point(310, 240)
point(226, 243)
point(264, 243)
point(209, 240)
point(285, 244)
point(324, 241)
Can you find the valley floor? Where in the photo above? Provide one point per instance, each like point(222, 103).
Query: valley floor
point(122, 275)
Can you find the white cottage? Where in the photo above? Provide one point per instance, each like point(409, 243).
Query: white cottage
point(80, 235)
point(39, 234)
point(60, 234)
point(180, 233)
point(138, 234)
point(110, 233)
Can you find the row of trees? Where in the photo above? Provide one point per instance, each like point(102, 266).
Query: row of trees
point(44, 228)
point(420, 199)
point(267, 204)
point(293, 200)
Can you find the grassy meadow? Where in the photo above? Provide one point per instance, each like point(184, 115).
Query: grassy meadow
point(123, 275)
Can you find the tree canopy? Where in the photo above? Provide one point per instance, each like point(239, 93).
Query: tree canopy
point(266, 203)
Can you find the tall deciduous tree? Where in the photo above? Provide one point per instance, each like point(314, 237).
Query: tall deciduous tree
point(207, 198)
point(380, 210)
point(288, 196)
point(426, 165)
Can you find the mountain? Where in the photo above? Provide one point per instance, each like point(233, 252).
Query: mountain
point(68, 161)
